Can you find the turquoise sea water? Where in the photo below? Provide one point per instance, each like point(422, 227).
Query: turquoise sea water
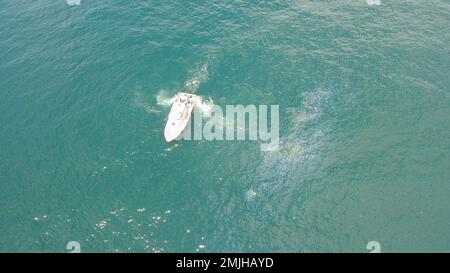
point(364, 95)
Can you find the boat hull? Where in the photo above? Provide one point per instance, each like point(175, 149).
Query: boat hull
point(179, 116)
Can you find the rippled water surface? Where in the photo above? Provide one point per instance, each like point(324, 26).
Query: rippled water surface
point(364, 95)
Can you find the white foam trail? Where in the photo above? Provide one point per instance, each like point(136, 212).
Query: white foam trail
point(250, 194)
point(205, 105)
point(73, 2)
point(373, 2)
point(163, 98)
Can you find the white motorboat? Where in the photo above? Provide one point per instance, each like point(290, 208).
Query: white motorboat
point(180, 113)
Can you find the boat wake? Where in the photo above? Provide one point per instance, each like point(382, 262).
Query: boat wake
point(205, 105)
point(163, 98)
